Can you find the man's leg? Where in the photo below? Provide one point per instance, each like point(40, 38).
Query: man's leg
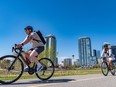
point(110, 63)
point(33, 56)
point(27, 56)
point(35, 60)
point(26, 69)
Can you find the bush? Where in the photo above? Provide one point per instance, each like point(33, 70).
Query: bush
point(96, 66)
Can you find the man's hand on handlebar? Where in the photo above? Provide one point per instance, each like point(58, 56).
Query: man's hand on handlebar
point(19, 46)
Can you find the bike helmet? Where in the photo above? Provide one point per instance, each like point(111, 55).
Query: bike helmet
point(106, 45)
point(29, 28)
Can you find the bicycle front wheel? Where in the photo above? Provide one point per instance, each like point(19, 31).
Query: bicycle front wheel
point(104, 68)
point(10, 74)
point(48, 69)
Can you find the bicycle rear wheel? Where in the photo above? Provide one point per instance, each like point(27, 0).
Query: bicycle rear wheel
point(48, 69)
point(104, 68)
point(113, 68)
point(10, 75)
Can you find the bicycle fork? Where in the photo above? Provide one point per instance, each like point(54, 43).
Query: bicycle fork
point(11, 67)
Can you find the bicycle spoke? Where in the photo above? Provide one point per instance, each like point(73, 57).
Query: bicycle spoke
point(9, 75)
point(104, 68)
point(113, 68)
point(48, 69)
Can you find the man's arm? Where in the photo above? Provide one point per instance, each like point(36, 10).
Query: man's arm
point(110, 53)
point(27, 40)
point(102, 54)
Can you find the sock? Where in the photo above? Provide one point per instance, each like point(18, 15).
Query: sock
point(39, 64)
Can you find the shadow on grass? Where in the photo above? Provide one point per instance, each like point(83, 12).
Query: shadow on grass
point(23, 82)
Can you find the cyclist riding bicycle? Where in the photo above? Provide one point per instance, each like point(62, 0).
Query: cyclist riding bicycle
point(37, 47)
point(107, 55)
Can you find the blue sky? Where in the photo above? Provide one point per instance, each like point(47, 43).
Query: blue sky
point(66, 19)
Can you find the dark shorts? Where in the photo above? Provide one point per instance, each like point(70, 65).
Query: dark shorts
point(38, 49)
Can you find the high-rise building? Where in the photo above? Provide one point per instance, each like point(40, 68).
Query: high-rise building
point(84, 44)
point(93, 60)
point(51, 46)
point(94, 52)
point(113, 47)
point(68, 62)
point(96, 55)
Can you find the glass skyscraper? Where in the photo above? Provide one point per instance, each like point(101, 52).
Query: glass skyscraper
point(51, 46)
point(85, 53)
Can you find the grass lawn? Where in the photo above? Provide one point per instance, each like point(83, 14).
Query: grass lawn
point(77, 72)
point(66, 73)
point(63, 73)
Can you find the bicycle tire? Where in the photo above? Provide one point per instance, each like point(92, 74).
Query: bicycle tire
point(12, 75)
point(104, 65)
point(49, 66)
point(113, 69)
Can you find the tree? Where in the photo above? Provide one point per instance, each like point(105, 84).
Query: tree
point(48, 53)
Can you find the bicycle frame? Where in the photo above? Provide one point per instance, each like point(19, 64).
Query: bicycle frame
point(21, 57)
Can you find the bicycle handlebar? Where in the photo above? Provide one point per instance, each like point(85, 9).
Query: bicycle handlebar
point(15, 49)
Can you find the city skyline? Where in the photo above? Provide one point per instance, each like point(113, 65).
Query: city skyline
point(66, 19)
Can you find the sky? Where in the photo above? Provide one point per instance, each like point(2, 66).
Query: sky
point(66, 19)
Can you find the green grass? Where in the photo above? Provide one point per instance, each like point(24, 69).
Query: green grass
point(77, 72)
point(64, 73)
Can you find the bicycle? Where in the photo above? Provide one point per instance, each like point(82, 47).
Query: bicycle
point(105, 68)
point(12, 67)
